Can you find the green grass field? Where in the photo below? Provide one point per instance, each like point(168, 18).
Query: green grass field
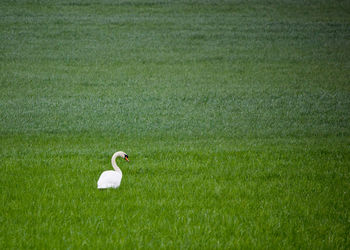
point(235, 116)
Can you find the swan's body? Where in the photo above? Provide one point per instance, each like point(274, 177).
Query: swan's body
point(109, 179)
point(112, 178)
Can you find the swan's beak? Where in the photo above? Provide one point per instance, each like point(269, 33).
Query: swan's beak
point(126, 158)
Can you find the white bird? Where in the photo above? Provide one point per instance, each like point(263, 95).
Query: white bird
point(112, 178)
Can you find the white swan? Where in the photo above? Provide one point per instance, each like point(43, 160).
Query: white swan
point(112, 178)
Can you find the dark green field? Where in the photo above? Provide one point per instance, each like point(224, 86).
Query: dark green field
point(235, 116)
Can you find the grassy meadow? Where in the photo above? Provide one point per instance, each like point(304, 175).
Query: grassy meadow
point(235, 116)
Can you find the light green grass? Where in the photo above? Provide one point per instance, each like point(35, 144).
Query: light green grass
point(235, 116)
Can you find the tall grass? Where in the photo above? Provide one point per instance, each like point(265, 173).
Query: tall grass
point(235, 116)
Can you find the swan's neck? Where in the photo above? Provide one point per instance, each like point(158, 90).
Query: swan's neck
point(114, 164)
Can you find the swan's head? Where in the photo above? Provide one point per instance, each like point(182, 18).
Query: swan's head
point(120, 154)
